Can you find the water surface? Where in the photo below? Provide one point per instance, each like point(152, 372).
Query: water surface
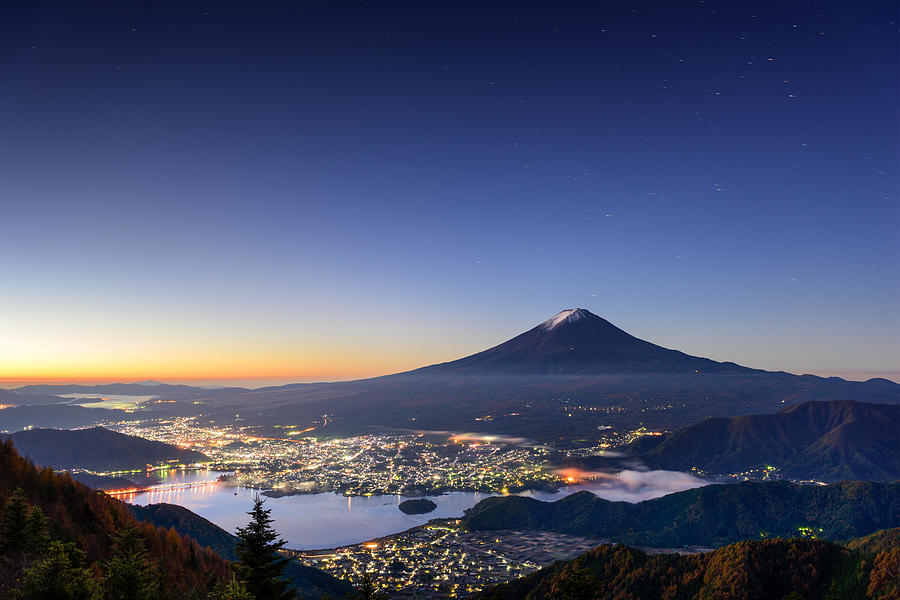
point(120, 401)
point(313, 521)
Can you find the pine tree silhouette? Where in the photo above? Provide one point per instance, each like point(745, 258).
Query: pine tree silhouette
point(260, 566)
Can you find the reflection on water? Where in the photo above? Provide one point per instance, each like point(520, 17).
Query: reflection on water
point(313, 521)
point(307, 521)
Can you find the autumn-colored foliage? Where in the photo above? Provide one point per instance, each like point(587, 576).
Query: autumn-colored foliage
point(93, 521)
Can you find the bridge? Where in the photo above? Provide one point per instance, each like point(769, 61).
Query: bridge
point(162, 488)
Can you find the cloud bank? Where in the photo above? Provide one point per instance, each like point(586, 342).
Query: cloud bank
point(636, 486)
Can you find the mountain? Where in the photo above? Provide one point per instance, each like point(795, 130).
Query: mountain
point(562, 379)
point(97, 449)
point(709, 516)
point(825, 441)
point(313, 582)
point(578, 342)
point(753, 570)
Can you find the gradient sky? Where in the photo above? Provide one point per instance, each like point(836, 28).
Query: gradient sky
point(323, 190)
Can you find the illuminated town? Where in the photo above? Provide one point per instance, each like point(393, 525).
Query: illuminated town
point(410, 465)
point(439, 560)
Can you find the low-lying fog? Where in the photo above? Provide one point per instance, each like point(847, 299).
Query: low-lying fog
point(635, 485)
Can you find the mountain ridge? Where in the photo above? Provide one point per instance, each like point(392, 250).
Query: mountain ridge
point(825, 441)
point(704, 516)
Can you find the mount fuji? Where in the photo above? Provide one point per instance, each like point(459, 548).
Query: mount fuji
point(565, 377)
point(578, 342)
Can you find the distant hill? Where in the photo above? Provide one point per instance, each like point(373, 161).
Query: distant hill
point(752, 570)
point(709, 516)
point(16, 418)
point(144, 388)
point(561, 379)
point(103, 482)
point(15, 398)
point(825, 441)
point(314, 582)
point(97, 449)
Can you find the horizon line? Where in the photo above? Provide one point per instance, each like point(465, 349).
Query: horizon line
point(11, 383)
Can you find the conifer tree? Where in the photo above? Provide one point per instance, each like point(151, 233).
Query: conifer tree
point(129, 573)
point(368, 590)
point(833, 591)
point(577, 585)
point(60, 575)
point(13, 527)
point(230, 590)
point(37, 537)
point(260, 566)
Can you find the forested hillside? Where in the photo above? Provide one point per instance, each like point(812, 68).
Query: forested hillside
point(754, 570)
point(709, 516)
point(52, 522)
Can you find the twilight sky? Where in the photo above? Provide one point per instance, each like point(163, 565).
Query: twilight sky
point(283, 191)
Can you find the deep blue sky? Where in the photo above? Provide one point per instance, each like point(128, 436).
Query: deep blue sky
point(305, 190)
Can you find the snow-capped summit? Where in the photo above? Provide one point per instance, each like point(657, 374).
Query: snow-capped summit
point(570, 315)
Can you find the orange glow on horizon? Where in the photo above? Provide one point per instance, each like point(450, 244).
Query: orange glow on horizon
point(227, 374)
point(249, 366)
point(12, 380)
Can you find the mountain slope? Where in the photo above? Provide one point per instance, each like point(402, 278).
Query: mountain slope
point(204, 532)
point(826, 441)
point(710, 516)
point(578, 342)
point(97, 449)
point(757, 570)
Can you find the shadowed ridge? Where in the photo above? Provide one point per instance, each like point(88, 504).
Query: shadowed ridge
point(705, 516)
point(750, 570)
point(97, 449)
point(827, 441)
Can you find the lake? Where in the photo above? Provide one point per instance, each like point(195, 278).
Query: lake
point(314, 521)
point(121, 401)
